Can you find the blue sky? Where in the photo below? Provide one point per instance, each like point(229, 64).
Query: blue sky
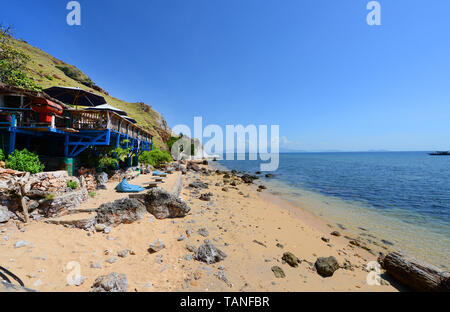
point(314, 67)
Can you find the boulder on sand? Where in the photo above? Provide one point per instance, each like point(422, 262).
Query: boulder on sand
point(5, 215)
point(112, 282)
point(291, 259)
point(247, 178)
point(125, 210)
point(279, 273)
point(163, 204)
point(102, 179)
point(326, 266)
point(209, 253)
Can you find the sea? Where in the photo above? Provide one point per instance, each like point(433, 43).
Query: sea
point(399, 199)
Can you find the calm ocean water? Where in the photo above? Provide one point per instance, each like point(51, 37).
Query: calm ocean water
point(403, 197)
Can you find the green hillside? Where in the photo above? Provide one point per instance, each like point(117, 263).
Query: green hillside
point(48, 71)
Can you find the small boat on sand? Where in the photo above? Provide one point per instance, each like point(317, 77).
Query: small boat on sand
point(440, 153)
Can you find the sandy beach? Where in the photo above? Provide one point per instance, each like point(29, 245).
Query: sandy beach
point(253, 228)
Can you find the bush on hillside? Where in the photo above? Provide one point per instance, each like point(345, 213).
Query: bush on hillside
point(13, 63)
point(2, 155)
point(24, 161)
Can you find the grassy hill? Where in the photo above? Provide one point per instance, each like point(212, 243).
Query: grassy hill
point(48, 71)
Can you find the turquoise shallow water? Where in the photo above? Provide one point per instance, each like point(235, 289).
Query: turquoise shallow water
point(402, 197)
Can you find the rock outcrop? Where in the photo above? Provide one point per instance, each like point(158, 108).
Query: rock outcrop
point(247, 178)
point(291, 259)
point(163, 204)
point(126, 210)
point(326, 266)
point(112, 282)
point(209, 253)
point(45, 194)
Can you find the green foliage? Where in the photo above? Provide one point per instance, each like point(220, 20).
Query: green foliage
point(108, 162)
point(88, 158)
point(172, 141)
point(50, 196)
point(76, 74)
point(155, 157)
point(92, 194)
point(119, 153)
point(24, 161)
point(72, 184)
point(107, 157)
point(2, 155)
point(13, 63)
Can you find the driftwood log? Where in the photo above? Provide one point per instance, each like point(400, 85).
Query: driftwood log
point(415, 274)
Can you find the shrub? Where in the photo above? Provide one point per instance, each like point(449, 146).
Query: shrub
point(108, 162)
point(172, 141)
point(92, 194)
point(50, 196)
point(24, 161)
point(155, 157)
point(2, 155)
point(72, 184)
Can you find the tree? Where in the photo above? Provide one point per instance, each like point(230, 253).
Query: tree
point(13, 63)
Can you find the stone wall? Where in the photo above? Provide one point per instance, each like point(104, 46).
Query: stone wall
point(46, 194)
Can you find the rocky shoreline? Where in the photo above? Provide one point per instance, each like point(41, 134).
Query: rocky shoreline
point(221, 234)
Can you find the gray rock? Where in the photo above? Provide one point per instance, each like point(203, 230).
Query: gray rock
point(221, 276)
point(21, 243)
point(96, 265)
point(76, 281)
point(208, 253)
point(102, 180)
point(206, 196)
point(191, 248)
point(279, 273)
point(326, 266)
point(198, 185)
point(112, 282)
point(126, 210)
point(100, 227)
point(112, 260)
point(156, 246)
point(247, 178)
point(123, 253)
point(291, 259)
point(335, 233)
point(163, 204)
point(203, 232)
point(5, 215)
point(181, 238)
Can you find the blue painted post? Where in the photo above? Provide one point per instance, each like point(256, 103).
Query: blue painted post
point(66, 146)
point(12, 135)
point(68, 162)
point(12, 142)
point(118, 140)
